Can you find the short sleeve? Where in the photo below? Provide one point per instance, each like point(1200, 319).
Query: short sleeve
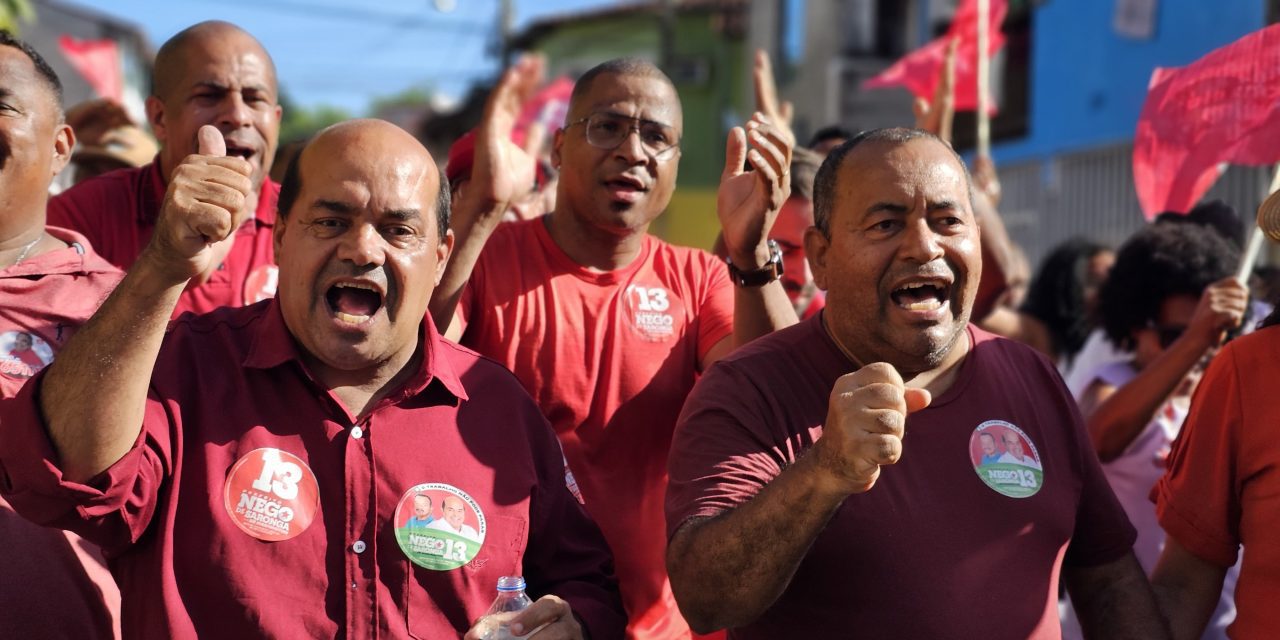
point(717, 460)
point(715, 316)
point(1196, 500)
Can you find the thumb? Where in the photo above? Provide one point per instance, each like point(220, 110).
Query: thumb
point(735, 153)
point(211, 142)
point(917, 399)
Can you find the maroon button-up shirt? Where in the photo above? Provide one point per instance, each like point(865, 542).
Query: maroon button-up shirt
point(231, 382)
point(117, 212)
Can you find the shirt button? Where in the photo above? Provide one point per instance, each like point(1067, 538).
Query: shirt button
point(357, 433)
point(359, 546)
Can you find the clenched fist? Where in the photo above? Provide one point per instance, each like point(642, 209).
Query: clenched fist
point(865, 424)
point(205, 203)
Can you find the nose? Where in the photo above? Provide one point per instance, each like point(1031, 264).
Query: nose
point(920, 242)
point(235, 113)
point(362, 246)
point(631, 149)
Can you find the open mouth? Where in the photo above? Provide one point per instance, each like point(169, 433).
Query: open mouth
point(626, 187)
point(235, 150)
point(353, 303)
point(921, 296)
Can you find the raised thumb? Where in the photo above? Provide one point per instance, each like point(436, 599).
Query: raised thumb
point(917, 399)
point(211, 142)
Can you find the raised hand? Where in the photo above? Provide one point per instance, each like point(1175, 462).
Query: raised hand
point(501, 171)
point(748, 201)
point(779, 113)
point(936, 116)
point(204, 205)
point(865, 425)
point(1221, 307)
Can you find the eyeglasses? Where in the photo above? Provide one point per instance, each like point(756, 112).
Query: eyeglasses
point(1167, 335)
point(608, 130)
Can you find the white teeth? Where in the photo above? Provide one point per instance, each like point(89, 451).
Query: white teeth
point(356, 285)
point(350, 319)
point(923, 305)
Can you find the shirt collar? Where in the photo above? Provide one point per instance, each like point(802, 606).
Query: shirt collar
point(273, 346)
point(153, 194)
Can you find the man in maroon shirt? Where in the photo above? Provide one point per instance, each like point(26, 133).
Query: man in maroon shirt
point(251, 471)
point(216, 74)
point(52, 584)
point(827, 479)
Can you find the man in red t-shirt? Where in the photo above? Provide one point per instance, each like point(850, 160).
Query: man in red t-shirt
point(252, 471)
point(604, 324)
point(828, 480)
point(52, 585)
point(216, 74)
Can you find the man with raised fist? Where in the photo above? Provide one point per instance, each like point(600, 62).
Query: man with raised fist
point(212, 73)
point(252, 471)
point(828, 480)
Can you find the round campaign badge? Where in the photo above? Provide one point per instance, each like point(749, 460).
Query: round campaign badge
point(1006, 459)
point(439, 526)
point(271, 494)
point(261, 283)
point(649, 310)
point(23, 354)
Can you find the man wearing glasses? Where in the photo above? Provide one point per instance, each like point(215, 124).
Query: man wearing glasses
point(604, 324)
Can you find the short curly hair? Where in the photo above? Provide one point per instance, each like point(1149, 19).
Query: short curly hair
point(1156, 263)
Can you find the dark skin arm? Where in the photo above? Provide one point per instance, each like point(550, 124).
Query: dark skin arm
point(1114, 601)
point(1187, 589)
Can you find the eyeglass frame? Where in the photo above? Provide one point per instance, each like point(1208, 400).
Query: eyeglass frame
point(663, 155)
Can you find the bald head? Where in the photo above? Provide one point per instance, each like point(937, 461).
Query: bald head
point(629, 67)
point(369, 143)
point(174, 56)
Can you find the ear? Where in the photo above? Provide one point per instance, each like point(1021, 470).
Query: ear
point(816, 244)
point(555, 148)
point(155, 116)
point(64, 140)
point(443, 251)
point(277, 232)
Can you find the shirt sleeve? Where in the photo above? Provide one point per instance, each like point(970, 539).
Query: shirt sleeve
point(63, 211)
point(566, 554)
point(715, 316)
point(111, 510)
point(716, 461)
point(1196, 500)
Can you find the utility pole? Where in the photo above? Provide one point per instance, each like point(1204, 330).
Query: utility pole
point(506, 29)
point(667, 37)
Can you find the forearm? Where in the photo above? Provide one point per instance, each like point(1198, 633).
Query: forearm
point(758, 311)
point(94, 395)
point(469, 241)
point(727, 570)
point(1123, 415)
point(1115, 601)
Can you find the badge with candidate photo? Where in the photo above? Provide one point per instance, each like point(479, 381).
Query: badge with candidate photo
point(1006, 459)
point(23, 354)
point(438, 526)
point(271, 494)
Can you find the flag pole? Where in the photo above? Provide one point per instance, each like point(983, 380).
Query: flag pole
point(984, 81)
point(1267, 216)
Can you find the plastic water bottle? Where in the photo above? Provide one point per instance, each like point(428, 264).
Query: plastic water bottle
point(511, 601)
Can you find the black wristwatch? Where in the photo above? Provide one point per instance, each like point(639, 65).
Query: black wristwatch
point(772, 270)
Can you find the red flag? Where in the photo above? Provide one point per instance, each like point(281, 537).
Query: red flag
point(920, 70)
point(98, 61)
point(1222, 108)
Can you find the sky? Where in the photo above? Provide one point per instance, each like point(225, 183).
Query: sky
point(344, 53)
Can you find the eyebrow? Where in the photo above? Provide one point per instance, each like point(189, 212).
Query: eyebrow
point(615, 114)
point(218, 86)
point(403, 215)
point(891, 207)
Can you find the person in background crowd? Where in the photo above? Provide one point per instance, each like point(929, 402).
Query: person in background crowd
point(1061, 303)
point(849, 473)
point(606, 325)
point(828, 138)
point(52, 584)
point(106, 140)
point(212, 73)
point(274, 437)
point(1169, 302)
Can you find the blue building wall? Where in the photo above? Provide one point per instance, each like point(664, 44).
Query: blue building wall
point(1088, 82)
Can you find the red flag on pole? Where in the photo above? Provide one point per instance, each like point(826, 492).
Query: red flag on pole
point(98, 61)
point(1222, 108)
point(920, 70)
